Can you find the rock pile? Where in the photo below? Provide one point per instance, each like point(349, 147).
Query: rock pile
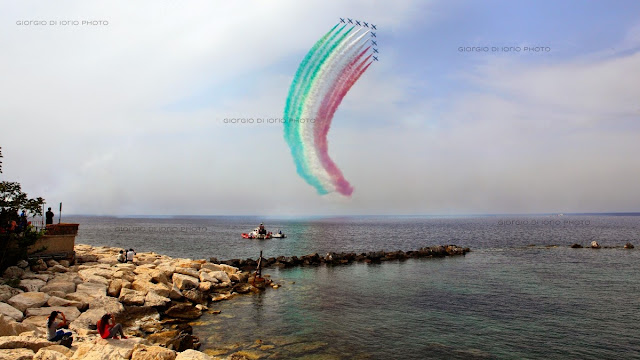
point(152, 297)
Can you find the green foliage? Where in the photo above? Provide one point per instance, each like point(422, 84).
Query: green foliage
point(15, 239)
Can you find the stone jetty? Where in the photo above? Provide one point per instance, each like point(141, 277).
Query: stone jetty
point(343, 258)
point(153, 298)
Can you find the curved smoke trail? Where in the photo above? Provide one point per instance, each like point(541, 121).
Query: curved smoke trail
point(326, 74)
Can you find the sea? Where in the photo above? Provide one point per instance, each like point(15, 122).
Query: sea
point(521, 293)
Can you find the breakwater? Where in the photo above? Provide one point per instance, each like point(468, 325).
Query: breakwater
point(345, 258)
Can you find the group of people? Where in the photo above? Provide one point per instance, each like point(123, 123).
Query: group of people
point(125, 256)
point(107, 328)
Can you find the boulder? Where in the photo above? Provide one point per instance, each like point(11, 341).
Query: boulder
point(58, 301)
point(153, 299)
point(108, 304)
point(58, 268)
point(81, 325)
point(221, 276)
point(205, 276)
point(187, 271)
point(195, 296)
point(175, 293)
point(46, 354)
point(40, 276)
point(184, 342)
point(97, 280)
point(10, 312)
point(39, 265)
point(93, 289)
point(185, 282)
point(159, 277)
point(183, 311)
point(116, 285)
point(13, 272)
point(163, 337)
point(16, 354)
point(131, 297)
point(22, 264)
point(65, 263)
point(95, 271)
point(106, 349)
point(31, 285)
point(212, 267)
point(7, 292)
point(62, 286)
point(186, 263)
point(80, 259)
point(147, 286)
point(52, 262)
point(59, 348)
point(595, 245)
point(193, 355)
point(28, 342)
point(576, 246)
point(628, 245)
point(70, 312)
point(10, 327)
point(28, 300)
point(39, 321)
point(205, 286)
point(153, 352)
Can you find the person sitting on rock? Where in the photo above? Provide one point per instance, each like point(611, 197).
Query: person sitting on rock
point(108, 328)
point(122, 257)
point(56, 334)
point(130, 254)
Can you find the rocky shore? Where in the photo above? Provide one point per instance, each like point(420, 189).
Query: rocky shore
point(153, 298)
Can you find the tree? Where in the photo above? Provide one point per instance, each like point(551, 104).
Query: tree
point(15, 235)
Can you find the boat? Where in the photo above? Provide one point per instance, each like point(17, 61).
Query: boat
point(278, 235)
point(255, 234)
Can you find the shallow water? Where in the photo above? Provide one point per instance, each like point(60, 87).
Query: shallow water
point(503, 300)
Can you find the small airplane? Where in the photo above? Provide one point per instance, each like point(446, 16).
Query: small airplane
point(342, 20)
point(350, 21)
point(358, 23)
point(374, 43)
point(365, 24)
point(373, 34)
point(375, 58)
point(373, 27)
point(375, 50)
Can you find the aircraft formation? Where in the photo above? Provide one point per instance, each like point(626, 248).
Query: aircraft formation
point(368, 26)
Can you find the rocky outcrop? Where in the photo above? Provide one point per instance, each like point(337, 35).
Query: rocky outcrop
point(131, 297)
point(11, 312)
point(185, 282)
point(184, 311)
point(7, 292)
point(28, 342)
point(10, 327)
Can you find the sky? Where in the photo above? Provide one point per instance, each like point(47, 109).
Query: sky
point(127, 117)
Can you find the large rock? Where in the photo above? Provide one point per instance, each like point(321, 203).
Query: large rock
point(28, 342)
point(116, 285)
point(93, 289)
point(16, 354)
point(193, 355)
point(87, 319)
point(28, 300)
point(131, 297)
point(175, 293)
point(205, 276)
point(106, 349)
point(153, 352)
point(7, 292)
point(58, 269)
point(70, 313)
point(595, 245)
point(10, 327)
point(58, 301)
point(147, 286)
point(185, 282)
point(628, 245)
point(184, 311)
point(95, 271)
point(66, 287)
point(31, 285)
point(108, 304)
point(159, 276)
point(221, 276)
point(11, 312)
point(187, 271)
point(153, 299)
point(13, 272)
point(163, 337)
point(46, 354)
point(195, 296)
point(184, 342)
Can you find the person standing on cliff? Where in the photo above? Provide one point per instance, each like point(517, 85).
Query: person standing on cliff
point(49, 217)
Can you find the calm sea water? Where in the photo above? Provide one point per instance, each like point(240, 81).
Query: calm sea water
point(504, 300)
